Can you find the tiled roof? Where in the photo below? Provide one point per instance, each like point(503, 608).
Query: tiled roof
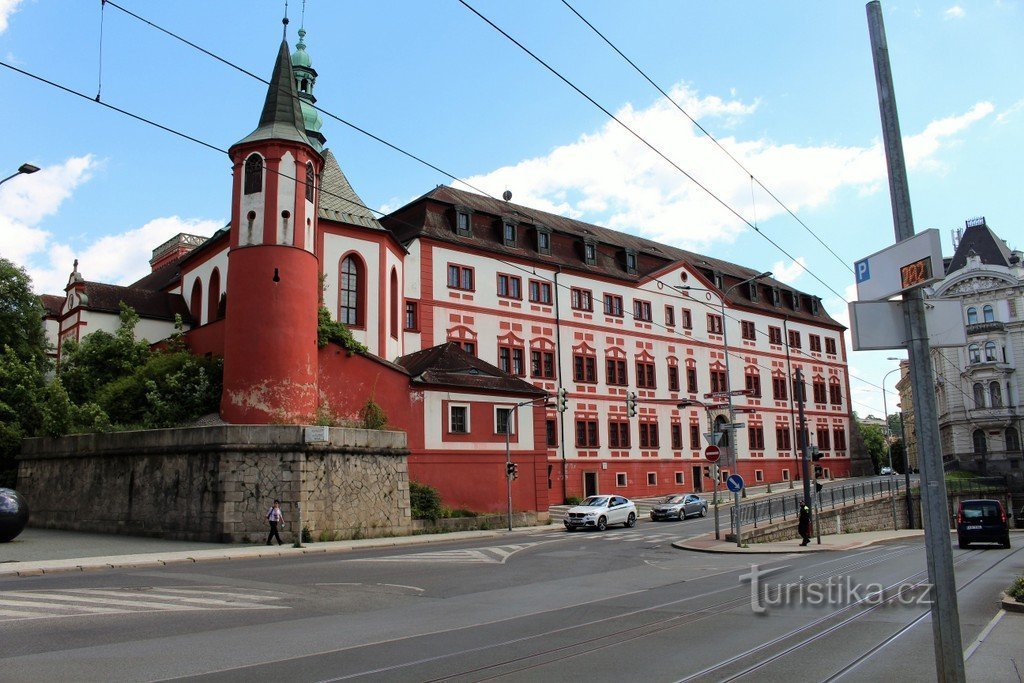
point(147, 303)
point(52, 304)
point(418, 219)
point(338, 201)
point(981, 241)
point(162, 277)
point(448, 365)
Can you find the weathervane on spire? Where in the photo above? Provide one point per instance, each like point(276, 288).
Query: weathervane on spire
point(284, 30)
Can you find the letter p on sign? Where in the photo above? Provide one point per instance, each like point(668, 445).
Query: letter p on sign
point(863, 270)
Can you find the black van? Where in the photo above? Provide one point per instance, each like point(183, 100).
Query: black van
point(982, 521)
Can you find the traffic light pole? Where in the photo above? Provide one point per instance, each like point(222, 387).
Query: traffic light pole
point(949, 661)
point(713, 469)
point(510, 468)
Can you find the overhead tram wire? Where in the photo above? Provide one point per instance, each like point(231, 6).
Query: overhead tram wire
point(711, 137)
point(220, 150)
point(650, 146)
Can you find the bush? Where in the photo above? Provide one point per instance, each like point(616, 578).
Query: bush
point(1016, 589)
point(372, 415)
point(573, 500)
point(425, 501)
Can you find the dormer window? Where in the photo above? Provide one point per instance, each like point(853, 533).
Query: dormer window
point(508, 233)
point(543, 240)
point(776, 296)
point(631, 263)
point(463, 225)
point(253, 174)
point(796, 301)
point(815, 305)
point(717, 279)
point(752, 290)
point(590, 253)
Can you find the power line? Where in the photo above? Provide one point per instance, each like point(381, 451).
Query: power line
point(711, 137)
point(650, 146)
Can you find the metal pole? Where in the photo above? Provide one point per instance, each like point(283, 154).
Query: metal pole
point(906, 474)
point(801, 437)
point(714, 470)
point(949, 662)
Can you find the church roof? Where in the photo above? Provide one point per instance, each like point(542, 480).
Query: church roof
point(147, 303)
point(979, 239)
point(282, 115)
point(52, 304)
point(338, 201)
point(449, 365)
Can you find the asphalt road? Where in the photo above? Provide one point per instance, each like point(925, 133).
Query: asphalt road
point(544, 605)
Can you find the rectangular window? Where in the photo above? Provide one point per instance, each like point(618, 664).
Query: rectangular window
point(518, 366)
point(620, 479)
point(755, 437)
point(840, 438)
point(673, 378)
point(799, 392)
point(542, 364)
point(615, 371)
point(469, 347)
point(551, 432)
point(510, 286)
point(679, 478)
point(590, 254)
point(458, 419)
point(618, 434)
point(613, 305)
point(794, 339)
point(694, 436)
point(691, 379)
point(502, 420)
point(543, 242)
point(815, 342)
point(687, 320)
point(753, 384)
point(830, 346)
point(677, 436)
point(586, 434)
point(505, 359)
point(785, 475)
point(642, 310)
point(509, 234)
point(824, 439)
point(540, 292)
point(645, 375)
point(462, 223)
point(670, 316)
point(758, 475)
point(582, 299)
point(584, 368)
point(412, 315)
point(783, 440)
point(779, 388)
point(835, 394)
point(648, 435)
point(460, 277)
point(775, 335)
point(747, 330)
point(714, 324)
point(652, 478)
point(718, 381)
point(819, 392)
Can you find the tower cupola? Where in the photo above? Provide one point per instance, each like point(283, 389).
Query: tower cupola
point(305, 79)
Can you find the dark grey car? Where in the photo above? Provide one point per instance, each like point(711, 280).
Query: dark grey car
point(680, 506)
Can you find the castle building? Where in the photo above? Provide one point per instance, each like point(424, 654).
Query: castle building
point(475, 313)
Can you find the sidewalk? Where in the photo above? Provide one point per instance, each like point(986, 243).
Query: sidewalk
point(997, 655)
point(708, 544)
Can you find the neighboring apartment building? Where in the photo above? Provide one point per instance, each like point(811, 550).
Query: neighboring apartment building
point(978, 386)
point(475, 309)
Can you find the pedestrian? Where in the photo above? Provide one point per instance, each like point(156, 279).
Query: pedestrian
point(275, 518)
point(804, 525)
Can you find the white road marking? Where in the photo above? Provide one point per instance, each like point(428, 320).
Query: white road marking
point(492, 555)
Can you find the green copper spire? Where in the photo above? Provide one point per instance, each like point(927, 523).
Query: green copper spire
point(282, 116)
point(305, 79)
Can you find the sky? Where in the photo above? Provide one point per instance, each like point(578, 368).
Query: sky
point(786, 87)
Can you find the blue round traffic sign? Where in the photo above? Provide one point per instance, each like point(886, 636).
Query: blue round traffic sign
point(735, 483)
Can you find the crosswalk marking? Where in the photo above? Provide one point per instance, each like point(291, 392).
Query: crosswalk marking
point(76, 602)
point(492, 555)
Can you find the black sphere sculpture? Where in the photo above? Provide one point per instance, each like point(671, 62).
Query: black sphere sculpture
point(13, 514)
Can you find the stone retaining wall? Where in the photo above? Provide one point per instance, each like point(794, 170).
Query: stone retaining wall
point(217, 483)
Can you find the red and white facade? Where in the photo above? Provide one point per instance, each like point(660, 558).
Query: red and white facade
point(543, 302)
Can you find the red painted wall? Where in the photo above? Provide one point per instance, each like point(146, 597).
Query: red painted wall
point(207, 339)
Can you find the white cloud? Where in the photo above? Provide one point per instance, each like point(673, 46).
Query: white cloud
point(954, 12)
point(7, 8)
point(788, 273)
point(1005, 115)
point(608, 177)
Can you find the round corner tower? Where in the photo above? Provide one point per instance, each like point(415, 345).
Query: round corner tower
point(270, 334)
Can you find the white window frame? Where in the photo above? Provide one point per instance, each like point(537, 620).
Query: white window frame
point(621, 480)
point(451, 408)
point(511, 419)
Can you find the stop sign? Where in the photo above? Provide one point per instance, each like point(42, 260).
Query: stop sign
point(712, 453)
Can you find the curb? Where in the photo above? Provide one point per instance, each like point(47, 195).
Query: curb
point(158, 560)
point(726, 548)
point(1011, 605)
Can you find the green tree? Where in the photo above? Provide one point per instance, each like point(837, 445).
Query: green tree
point(101, 358)
point(874, 442)
point(21, 316)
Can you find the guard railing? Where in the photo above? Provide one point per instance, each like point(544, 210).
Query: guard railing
point(788, 505)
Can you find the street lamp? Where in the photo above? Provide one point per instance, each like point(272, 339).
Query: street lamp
point(906, 453)
point(885, 411)
point(708, 407)
point(23, 169)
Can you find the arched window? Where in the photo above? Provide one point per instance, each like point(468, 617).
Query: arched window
point(1012, 440)
point(980, 445)
point(972, 315)
point(990, 350)
point(351, 305)
point(309, 181)
point(213, 297)
point(394, 303)
point(196, 302)
point(995, 395)
point(973, 353)
point(987, 314)
point(979, 395)
point(253, 174)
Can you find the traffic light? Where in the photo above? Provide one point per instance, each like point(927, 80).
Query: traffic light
point(818, 473)
point(711, 471)
point(631, 404)
point(512, 470)
point(817, 487)
point(563, 400)
point(816, 454)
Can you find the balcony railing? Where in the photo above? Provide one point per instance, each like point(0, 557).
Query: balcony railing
point(981, 328)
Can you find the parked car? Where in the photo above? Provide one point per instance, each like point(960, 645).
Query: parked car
point(680, 506)
point(982, 521)
point(887, 470)
point(597, 512)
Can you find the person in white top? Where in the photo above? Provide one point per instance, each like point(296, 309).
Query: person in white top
point(275, 517)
